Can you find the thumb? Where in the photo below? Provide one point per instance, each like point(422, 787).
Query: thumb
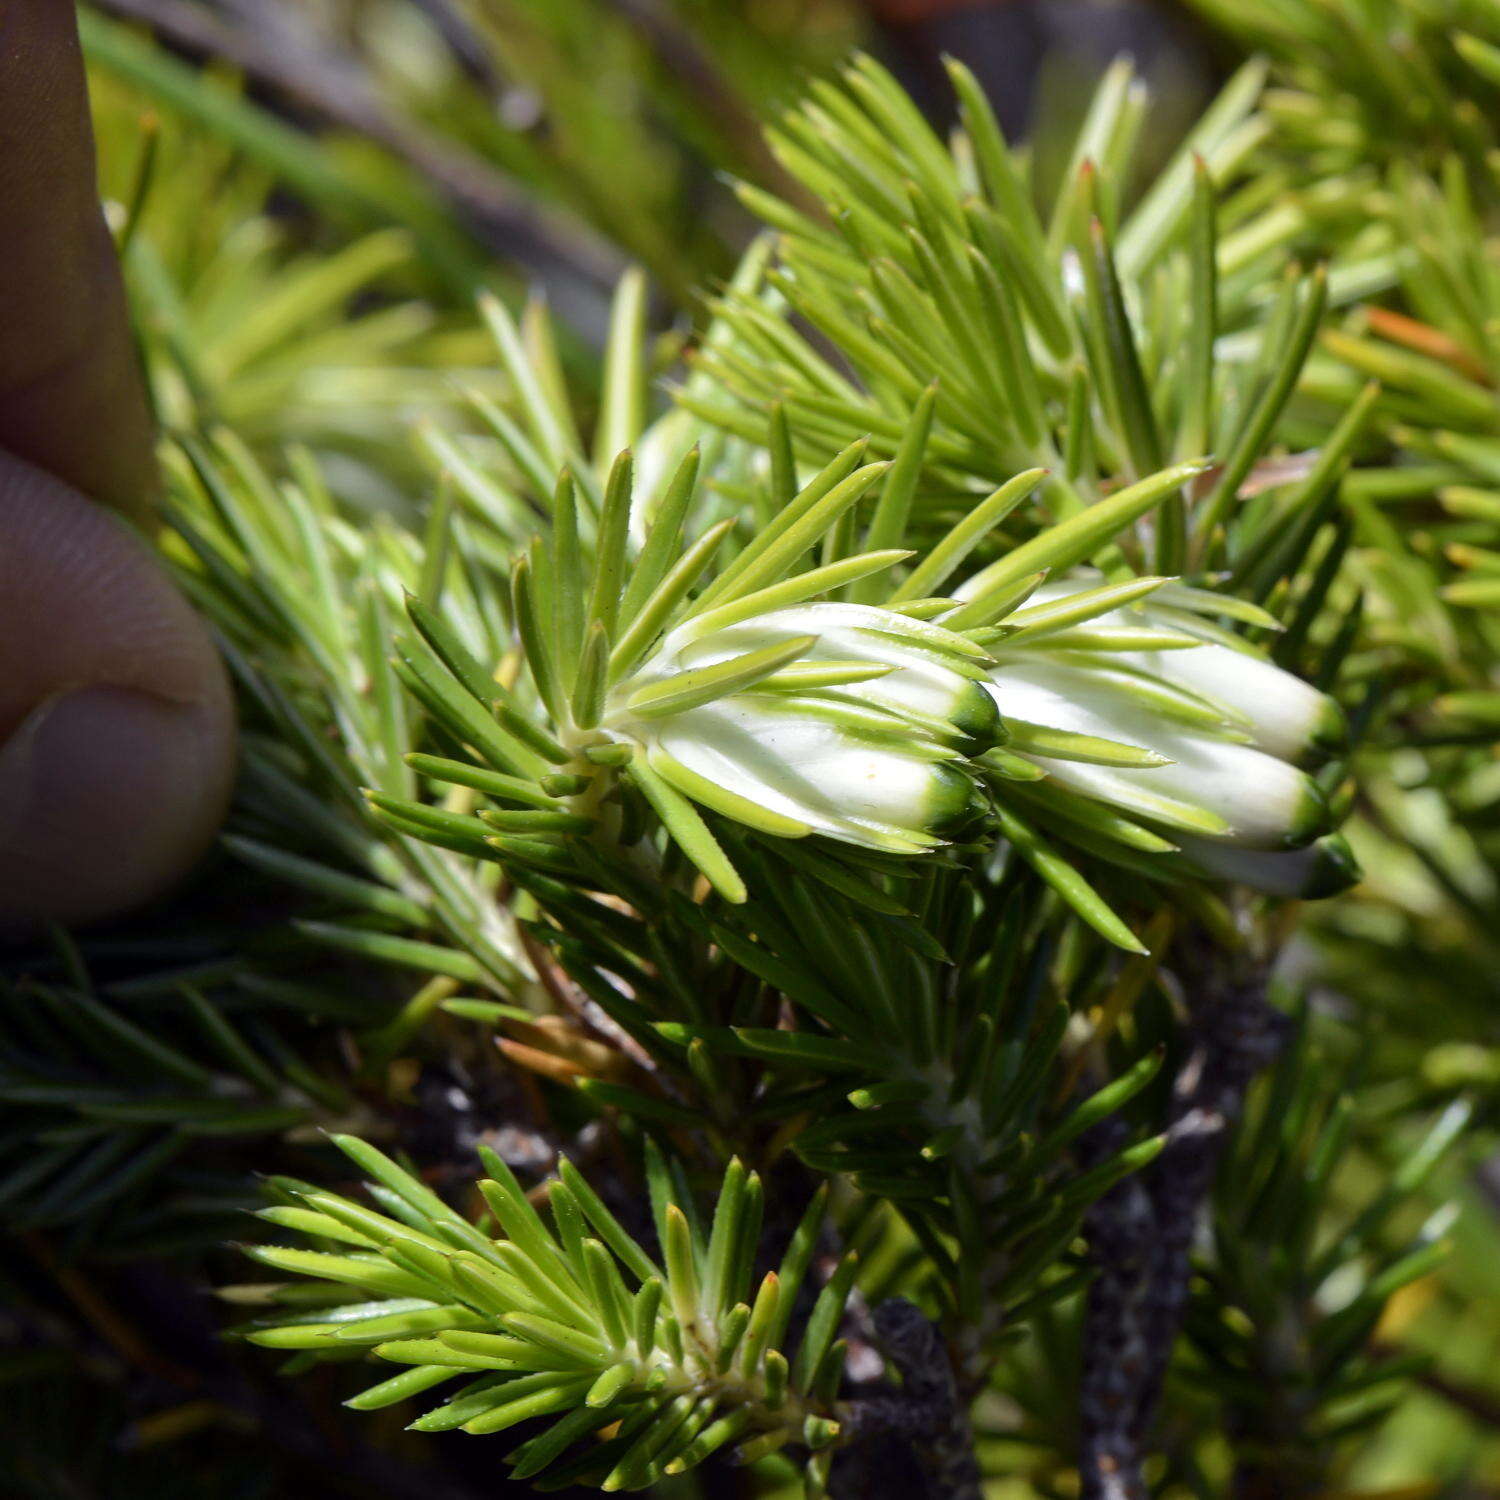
point(116, 720)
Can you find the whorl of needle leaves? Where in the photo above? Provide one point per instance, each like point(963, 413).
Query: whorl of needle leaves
point(648, 1367)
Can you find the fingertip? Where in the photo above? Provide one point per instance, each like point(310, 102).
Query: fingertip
point(116, 718)
point(106, 796)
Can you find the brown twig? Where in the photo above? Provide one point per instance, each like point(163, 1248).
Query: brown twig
point(1141, 1232)
point(928, 1414)
point(465, 44)
point(686, 60)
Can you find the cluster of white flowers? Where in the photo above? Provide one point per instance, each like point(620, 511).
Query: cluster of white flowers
point(1231, 733)
point(863, 723)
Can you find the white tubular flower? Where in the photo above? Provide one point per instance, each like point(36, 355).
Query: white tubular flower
point(1281, 714)
point(839, 719)
point(1187, 779)
point(1322, 869)
point(1149, 710)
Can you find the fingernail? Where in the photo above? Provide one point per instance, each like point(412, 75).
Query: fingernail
point(106, 795)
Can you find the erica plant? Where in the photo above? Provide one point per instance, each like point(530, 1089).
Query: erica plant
point(780, 856)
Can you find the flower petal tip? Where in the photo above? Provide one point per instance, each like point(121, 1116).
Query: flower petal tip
point(953, 803)
point(1333, 871)
point(977, 717)
point(1311, 818)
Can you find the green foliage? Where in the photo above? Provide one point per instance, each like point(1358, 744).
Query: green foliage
point(1419, 513)
point(649, 1365)
point(814, 782)
point(1093, 339)
point(1372, 80)
point(1282, 1330)
point(124, 1111)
